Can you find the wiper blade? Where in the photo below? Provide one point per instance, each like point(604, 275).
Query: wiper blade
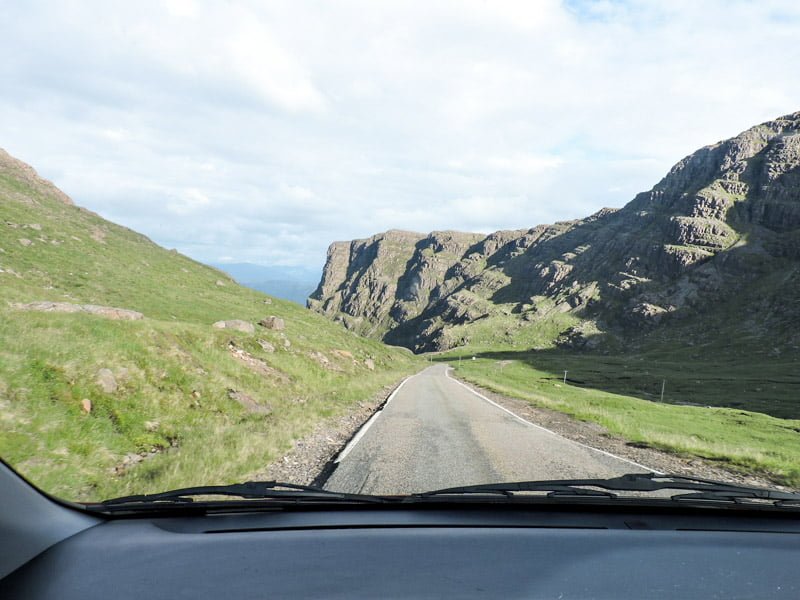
point(702, 489)
point(260, 490)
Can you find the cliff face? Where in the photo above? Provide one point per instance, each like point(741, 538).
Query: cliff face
point(373, 285)
point(719, 234)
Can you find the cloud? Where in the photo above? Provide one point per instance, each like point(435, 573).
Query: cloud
point(524, 164)
point(190, 201)
point(263, 131)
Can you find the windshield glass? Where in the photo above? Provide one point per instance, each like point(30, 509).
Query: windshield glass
point(368, 247)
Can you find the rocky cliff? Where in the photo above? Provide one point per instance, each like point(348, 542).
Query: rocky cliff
point(718, 238)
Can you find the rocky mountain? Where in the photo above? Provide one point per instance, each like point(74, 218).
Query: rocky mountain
point(715, 242)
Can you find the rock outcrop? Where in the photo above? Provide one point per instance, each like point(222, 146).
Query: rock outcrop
point(273, 322)
point(375, 284)
point(724, 219)
point(24, 172)
point(108, 312)
point(235, 325)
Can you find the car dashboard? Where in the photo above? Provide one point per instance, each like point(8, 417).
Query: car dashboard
point(422, 551)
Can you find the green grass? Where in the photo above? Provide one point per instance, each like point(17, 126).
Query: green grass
point(742, 439)
point(503, 329)
point(174, 371)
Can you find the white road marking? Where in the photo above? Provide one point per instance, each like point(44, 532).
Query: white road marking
point(525, 421)
point(357, 437)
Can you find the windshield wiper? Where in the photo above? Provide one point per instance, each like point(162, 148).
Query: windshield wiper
point(260, 490)
point(699, 489)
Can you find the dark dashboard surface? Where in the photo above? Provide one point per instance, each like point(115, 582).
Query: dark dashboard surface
point(415, 553)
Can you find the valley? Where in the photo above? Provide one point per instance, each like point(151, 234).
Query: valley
point(670, 324)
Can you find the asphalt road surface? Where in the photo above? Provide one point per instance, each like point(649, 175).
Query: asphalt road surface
point(435, 432)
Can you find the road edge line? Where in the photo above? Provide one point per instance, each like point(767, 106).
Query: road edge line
point(516, 416)
point(360, 433)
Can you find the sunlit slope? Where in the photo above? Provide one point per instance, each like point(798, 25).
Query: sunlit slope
point(91, 407)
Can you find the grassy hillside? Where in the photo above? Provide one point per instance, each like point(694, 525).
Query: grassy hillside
point(171, 400)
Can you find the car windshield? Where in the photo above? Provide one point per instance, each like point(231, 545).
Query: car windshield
point(487, 251)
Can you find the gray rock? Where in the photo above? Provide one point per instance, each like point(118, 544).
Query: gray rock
point(266, 346)
point(107, 312)
point(106, 380)
point(273, 322)
point(116, 314)
point(60, 307)
point(249, 403)
point(25, 242)
point(236, 325)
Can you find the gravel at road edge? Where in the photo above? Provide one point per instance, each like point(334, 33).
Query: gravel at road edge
point(597, 436)
point(311, 456)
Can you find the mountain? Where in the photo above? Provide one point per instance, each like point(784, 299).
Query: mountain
point(289, 283)
point(711, 250)
point(126, 367)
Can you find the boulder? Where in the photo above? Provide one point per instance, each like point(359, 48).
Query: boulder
point(273, 322)
point(370, 364)
point(249, 403)
point(61, 307)
point(108, 312)
point(106, 380)
point(266, 346)
point(116, 314)
point(236, 325)
point(321, 359)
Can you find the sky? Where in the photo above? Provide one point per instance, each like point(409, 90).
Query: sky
point(262, 131)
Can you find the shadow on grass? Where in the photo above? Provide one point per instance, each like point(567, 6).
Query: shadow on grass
point(770, 387)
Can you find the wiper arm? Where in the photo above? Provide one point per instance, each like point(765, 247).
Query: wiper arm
point(704, 489)
point(249, 490)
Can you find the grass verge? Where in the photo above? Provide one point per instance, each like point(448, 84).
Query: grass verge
point(744, 440)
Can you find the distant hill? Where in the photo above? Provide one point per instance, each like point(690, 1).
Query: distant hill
point(116, 376)
point(711, 253)
point(289, 283)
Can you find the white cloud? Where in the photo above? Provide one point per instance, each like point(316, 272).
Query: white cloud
point(273, 72)
point(524, 164)
point(296, 192)
point(190, 202)
point(182, 8)
point(263, 131)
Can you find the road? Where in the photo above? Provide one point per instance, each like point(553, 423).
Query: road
point(435, 432)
